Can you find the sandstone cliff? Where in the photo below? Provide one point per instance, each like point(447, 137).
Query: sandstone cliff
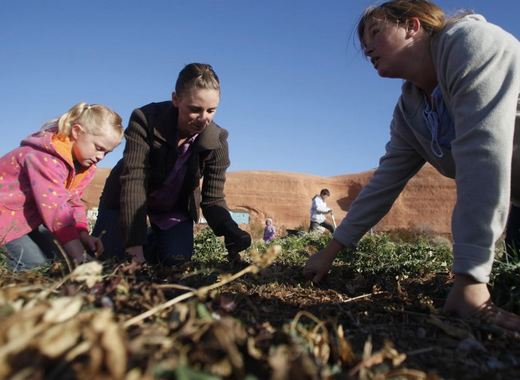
point(425, 204)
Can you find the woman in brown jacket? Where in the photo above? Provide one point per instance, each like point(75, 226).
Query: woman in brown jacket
point(170, 146)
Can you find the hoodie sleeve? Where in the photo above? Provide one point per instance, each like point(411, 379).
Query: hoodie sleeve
point(77, 205)
point(478, 65)
point(61, 211)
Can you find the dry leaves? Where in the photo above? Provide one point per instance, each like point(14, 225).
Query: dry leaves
point(89, 273)
point(56, 339)
point(146, 323)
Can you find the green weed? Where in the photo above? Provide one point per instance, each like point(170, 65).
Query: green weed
point(297, 248)
point(378, 254)
point(207, 247)
point(505, 279)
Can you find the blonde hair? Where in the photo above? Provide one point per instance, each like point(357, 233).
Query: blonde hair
point(198, 76)
point(432, 17)
point(92, 117)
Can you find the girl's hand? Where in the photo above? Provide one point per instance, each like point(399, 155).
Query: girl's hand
point(91, 243)
point(136, 253)
point(319, 264)
point(76, 251)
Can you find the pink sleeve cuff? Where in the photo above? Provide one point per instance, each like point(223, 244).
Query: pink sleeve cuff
point(82, 227)
point(66, 234)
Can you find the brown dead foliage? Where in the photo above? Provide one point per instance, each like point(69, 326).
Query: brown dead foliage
point(263, 322)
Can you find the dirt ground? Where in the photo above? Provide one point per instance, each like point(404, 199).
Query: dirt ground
point(269, 325)
point(405, 313)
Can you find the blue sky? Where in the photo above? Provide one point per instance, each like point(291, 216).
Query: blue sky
point(297, 95)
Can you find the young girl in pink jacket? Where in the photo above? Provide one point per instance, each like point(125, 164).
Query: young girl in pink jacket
point(41, 183)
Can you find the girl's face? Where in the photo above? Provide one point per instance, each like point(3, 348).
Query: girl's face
point(89, 149)
point(386, 44)
point(197, 108)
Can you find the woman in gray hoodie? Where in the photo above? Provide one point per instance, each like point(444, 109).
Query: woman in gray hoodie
point(457, 111)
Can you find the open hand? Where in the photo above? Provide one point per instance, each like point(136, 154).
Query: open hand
point(76, 251)
point(136, 253)
point(317, 267)
point(320, 263)
point(91, 243)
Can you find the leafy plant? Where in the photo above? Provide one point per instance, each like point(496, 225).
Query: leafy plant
point(379, 254)
point(122, 322)
point(207, 247)
point(296, 248)
point(505, 278)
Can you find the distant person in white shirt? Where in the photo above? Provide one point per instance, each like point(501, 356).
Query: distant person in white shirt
point(318, 211)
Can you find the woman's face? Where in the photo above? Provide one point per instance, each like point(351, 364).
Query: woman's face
point(386, 44)
point(197, 108)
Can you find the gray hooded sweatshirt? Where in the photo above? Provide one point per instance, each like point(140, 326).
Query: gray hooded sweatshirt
point(478, 71)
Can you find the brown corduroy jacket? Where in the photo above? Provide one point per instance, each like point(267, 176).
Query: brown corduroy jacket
point(150, 154)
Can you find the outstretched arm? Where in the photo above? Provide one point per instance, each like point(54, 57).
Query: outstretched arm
point(479, 71)
point(213, 201)
point(396, 167)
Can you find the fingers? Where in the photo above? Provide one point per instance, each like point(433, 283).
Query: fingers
point(312, 273)
point(100, 248)
point(91, 244)
point(98, 245)
point(137, 257)
point(85, 258)
point(136, 253)
point(308, 274)
point(95, 246)
point(88, 241)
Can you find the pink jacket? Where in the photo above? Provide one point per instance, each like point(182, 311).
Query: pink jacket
point(39, 185)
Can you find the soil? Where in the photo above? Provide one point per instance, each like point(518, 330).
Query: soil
point(274, 325)
point(404, 312)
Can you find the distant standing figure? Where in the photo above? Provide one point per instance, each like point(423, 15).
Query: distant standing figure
point(319, 209)
point(269, 230)
point(42, 182)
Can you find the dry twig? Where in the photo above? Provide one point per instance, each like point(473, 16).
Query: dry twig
point(201, 293)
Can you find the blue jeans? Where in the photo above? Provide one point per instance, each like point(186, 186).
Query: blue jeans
point(167, 247)
point(35, 249)
point(172, 246)
point(314, 226)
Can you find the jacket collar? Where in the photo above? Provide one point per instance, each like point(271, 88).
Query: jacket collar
point(166, 126)
point(63, 146)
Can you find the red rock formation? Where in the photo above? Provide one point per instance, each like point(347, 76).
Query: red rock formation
point(425, 204)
